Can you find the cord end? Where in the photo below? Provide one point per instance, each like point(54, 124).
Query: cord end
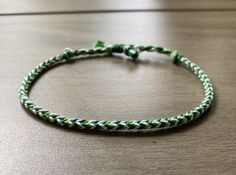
point(101, 44)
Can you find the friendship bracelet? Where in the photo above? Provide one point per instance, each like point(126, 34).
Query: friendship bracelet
point(101, 49)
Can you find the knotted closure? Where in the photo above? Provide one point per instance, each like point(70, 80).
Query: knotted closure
point(68, 53)
point(176, 56)
point(129, 50)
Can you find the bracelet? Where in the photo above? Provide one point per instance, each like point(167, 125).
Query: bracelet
point(101, 49)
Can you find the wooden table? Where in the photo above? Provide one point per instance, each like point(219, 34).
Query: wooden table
point(111, 88)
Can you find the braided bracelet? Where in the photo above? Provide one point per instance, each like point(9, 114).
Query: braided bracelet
point(102, 49)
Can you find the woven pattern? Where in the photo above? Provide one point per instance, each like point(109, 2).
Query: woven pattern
point(102, 48)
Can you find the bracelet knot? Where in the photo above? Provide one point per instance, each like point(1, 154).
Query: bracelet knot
point(176, 56)
point(68, 53)
point(129, 50)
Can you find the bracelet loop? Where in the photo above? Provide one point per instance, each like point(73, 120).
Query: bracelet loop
point(103, 48)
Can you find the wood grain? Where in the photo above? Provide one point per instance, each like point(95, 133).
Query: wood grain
point(118, 89)
point(50, 6)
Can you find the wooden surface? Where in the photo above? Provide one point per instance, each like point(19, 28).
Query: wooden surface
point(113, 88)
point(75, 6)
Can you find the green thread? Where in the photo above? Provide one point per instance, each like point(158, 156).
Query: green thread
point(101, 47)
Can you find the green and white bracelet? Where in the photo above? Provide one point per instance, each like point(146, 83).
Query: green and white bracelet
point(102, 49)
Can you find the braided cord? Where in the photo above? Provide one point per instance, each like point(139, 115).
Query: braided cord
point(102, 48)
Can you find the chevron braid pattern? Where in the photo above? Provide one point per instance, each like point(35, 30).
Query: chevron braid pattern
point(102, 48)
